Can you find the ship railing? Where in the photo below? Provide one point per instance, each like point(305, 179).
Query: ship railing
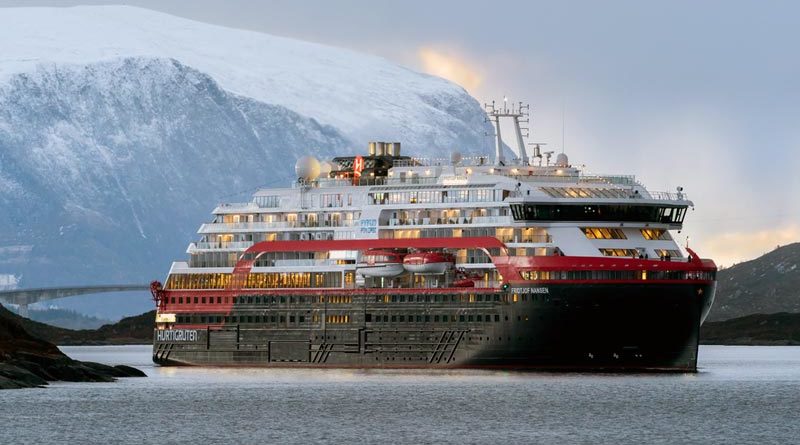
point(447, 221)
point(305, 263)
point(221, 245)
point(213, 227)
point(540, 239)
point(465, 161)
point(609, 179)
point(365, 181)
point(665, 196)
point(231, 207)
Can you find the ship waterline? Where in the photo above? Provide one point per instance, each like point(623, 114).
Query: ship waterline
point(565, 326)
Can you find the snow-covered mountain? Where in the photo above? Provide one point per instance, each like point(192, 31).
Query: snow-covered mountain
point(121, 128)
point(366, 97)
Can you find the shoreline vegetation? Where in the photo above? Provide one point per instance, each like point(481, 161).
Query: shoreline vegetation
point(781, 329)
point(28, 361)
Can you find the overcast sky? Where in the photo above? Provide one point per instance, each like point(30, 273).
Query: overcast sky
point(700, 94)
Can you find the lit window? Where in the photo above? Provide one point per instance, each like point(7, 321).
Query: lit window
point(603, 233)
point(655, 234)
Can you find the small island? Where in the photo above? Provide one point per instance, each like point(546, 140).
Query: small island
point(27, 361)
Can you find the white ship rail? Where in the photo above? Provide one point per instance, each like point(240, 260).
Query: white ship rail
point(309, 263)
point(220, 245)
point(259, 226)
point(665, 196)
point(504, 220)
point(330, 183)
point(468, 161)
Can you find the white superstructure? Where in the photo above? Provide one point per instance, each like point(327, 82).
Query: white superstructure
point(534, 206)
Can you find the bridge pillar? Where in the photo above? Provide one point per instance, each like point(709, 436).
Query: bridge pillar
point(23, 310)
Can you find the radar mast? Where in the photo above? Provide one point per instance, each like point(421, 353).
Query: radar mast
point(519, 114)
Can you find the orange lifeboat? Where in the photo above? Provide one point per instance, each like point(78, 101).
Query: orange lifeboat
point(434, 263)
point(380, 263)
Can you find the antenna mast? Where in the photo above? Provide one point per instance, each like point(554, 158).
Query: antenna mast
point(520, 114)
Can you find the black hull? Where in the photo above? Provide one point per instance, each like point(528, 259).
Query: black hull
point(584, 327)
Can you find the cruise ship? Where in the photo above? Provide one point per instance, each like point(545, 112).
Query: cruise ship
point(382, 260)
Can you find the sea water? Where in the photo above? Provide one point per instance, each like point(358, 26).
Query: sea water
point(739, 395)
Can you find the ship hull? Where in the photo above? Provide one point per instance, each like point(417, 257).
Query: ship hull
point(583, 327)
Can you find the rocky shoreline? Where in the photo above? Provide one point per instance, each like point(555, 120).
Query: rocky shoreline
point(34, 371)
point(27, 361)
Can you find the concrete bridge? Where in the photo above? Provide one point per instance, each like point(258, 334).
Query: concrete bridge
point(24, 297)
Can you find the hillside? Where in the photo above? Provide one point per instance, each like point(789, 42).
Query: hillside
point(758, 329)
point(766, 285)
point(131, 330)
point(64, 318)
point(122, 128)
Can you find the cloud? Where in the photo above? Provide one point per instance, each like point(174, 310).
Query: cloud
point(728, 248)
point(450, 67)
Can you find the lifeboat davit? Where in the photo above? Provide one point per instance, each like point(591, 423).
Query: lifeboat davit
point(434, 263)
point(380, 263)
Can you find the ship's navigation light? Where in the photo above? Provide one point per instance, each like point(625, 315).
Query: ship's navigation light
point(506, 286)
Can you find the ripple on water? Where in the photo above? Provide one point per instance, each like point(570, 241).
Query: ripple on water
point(741, 394)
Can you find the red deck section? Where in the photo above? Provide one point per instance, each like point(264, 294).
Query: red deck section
point(246, 261)
point(509, 267)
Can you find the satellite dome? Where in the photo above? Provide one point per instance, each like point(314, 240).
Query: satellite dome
point(455, 157)
point(325, 168)
point(307, 168)
point(562, 160)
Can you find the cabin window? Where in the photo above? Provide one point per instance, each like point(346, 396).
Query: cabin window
point(603, 233)
point(633, 253)
point(655, 234)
